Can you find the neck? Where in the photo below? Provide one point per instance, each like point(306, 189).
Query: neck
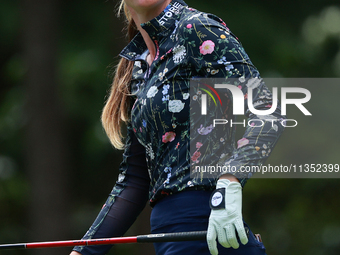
point(142, 15)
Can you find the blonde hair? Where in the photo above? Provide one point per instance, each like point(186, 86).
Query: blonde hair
point(116, 109)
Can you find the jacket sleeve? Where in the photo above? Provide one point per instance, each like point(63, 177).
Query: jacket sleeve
point(126, 200)
point(215, 52)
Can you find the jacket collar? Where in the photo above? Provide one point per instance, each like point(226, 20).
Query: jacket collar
point(157, 28)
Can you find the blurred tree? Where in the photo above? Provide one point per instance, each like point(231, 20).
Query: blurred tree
point(46, 146)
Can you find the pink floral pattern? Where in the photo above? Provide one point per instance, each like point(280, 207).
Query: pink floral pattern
point(242, 142)
point(168, 137)
point(207, 47)
point(198, 145)
point(195, 156)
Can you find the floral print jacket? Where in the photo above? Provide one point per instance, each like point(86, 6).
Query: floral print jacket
point(190, 44)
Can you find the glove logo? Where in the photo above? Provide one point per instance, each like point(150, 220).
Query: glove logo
point(217, 199)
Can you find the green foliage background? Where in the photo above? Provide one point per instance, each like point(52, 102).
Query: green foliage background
point(283, 38)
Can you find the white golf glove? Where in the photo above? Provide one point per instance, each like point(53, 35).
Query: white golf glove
point(226, 216)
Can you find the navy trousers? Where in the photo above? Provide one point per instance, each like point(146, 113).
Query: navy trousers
point(189, 211)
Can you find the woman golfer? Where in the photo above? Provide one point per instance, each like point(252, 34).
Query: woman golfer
point(171, 114)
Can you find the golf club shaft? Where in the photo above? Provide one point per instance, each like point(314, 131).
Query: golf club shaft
point(152, 238)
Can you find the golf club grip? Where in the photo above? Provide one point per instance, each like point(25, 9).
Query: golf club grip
point(172, 237)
